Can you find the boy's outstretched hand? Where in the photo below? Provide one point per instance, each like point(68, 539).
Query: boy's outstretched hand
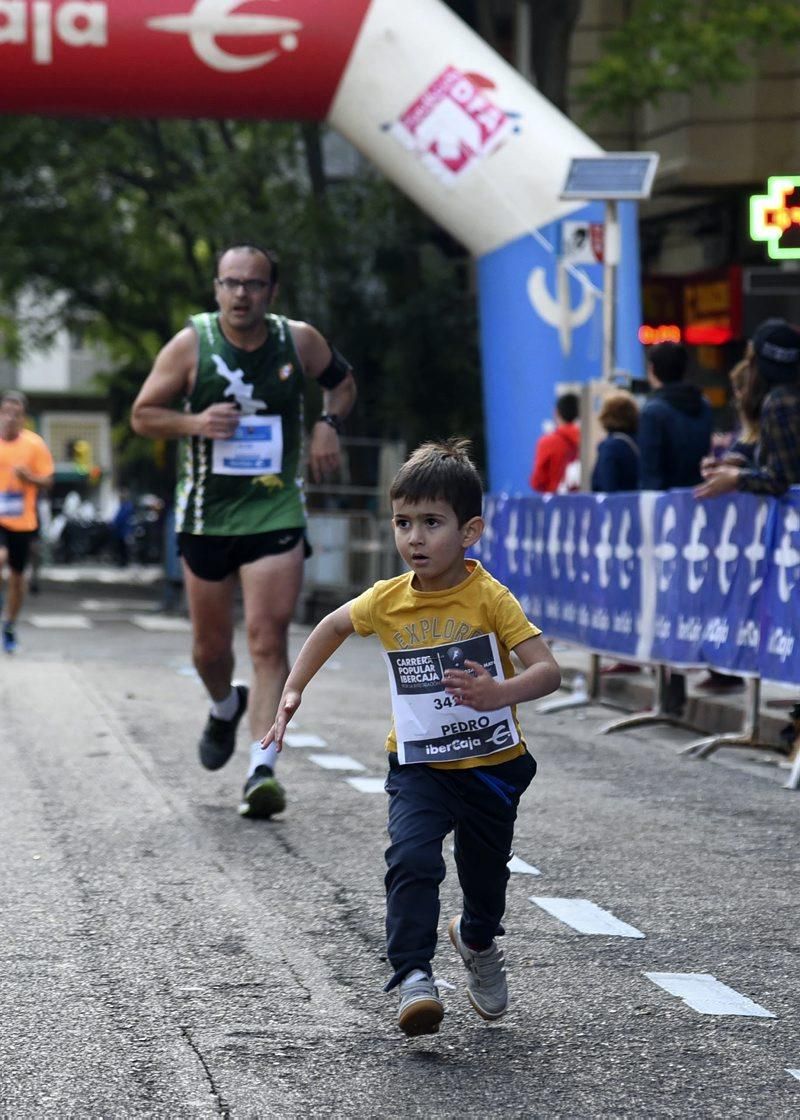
point(476, 689)
point(289, 703)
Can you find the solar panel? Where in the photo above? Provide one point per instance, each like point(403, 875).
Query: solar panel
point(611, 175)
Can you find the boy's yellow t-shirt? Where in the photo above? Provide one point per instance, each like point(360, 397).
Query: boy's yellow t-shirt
point(404, 618)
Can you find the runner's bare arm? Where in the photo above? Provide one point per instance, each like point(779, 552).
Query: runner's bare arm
point(324, 455)
point(171, 378)
point(322, 643)
point(43, 481)
point(478, 689)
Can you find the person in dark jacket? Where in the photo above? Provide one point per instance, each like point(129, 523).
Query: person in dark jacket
point(617, 464)
point(674, 438)
point(675, 423)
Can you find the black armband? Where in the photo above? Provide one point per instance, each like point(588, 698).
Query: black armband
point(335, 371)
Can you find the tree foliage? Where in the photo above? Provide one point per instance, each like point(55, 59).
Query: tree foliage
point(117, 223)
point(674, 46)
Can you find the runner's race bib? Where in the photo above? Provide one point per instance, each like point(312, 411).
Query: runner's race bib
point(430, 726)
point(11, 503)
point(255, 448)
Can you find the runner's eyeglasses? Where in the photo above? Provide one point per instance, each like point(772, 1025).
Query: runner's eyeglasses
point(252, 287)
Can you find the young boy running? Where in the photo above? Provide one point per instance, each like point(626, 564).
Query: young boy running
point(457, 759)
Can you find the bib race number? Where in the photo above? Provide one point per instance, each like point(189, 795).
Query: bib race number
point(430, 726)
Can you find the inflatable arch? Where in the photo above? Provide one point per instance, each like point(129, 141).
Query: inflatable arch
point(418, 93)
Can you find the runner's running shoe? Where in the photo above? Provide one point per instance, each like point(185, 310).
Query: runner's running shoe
point(218, 741)
point(9, 637)
point(263, 795)
point(486, 986)
point(421, 1009)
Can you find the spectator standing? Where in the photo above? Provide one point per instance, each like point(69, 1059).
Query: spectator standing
point(770, 396)
point(617, 464)
point(557, 449)
point(121, 528)
point(674, 438)
point(675, 423)
point(26, 468)
point(774, 357)
point(747, 398)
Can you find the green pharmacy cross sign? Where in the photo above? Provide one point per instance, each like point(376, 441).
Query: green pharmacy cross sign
point(775, 217)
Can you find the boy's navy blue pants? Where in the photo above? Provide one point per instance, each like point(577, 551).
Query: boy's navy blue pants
point(479, 806)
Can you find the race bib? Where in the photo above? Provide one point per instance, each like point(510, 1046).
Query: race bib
point(11, 503)
point(430, 726)
point(255, 448)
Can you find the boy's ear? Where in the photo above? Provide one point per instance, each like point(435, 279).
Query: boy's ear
point(472, 531)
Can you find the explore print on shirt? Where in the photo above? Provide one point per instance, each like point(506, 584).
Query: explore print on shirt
point(430, 726)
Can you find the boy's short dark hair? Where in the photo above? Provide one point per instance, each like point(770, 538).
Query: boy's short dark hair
point(669, 361)
point(567, 407)
point(441, 470)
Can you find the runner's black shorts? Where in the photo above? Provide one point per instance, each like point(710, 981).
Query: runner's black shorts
point(215, 558)
point(18, 542)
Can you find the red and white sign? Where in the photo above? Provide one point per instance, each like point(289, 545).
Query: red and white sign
point(452, 126)
point(216, 58)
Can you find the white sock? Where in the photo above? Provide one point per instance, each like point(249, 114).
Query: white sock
point(413, 976)
point(227, 708)
point(261, 757)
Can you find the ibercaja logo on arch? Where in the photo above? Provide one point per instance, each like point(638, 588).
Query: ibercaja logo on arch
point(229, 36)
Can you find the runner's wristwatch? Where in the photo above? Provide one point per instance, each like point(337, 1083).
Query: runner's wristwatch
point(332, 420)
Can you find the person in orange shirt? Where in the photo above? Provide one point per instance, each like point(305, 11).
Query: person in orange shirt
point(26, 467)
point(557, 449)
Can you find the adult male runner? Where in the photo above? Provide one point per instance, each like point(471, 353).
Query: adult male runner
point(239, 499)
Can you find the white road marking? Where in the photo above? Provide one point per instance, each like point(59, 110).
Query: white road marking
point(518, 866)
point(113, 605)
point(367, 785)
point(147, 622)
point(794, 1073)
point(586, 917)
point(336, 762)
point(303, 740)
point(60, 621)
point(702, 992)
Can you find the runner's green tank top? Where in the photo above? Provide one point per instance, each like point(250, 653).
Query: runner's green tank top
point(263, 382)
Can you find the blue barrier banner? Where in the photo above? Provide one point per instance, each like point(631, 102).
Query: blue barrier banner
point(573, 563)
point(710, 563)
point(779, 656)
point(657, 577)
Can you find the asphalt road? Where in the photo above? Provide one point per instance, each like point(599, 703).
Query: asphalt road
point(161, 957)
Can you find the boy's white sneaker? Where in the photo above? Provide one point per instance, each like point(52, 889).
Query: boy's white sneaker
point(421, 1010)
point(486, 984)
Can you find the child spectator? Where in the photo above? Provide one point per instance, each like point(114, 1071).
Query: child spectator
point(457, 758)
point(557, 449)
